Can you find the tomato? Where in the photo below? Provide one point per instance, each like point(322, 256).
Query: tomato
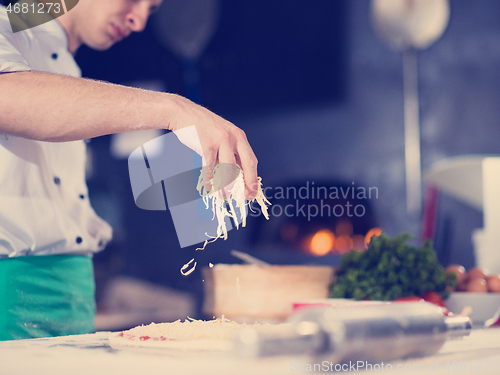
point(433, 297)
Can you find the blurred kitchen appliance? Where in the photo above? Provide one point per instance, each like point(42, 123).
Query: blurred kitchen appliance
point(409, 25)
point(474, 180)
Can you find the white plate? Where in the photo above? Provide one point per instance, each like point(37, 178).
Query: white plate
point(484, 305)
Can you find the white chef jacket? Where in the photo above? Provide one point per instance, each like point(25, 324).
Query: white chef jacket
point(44, 205)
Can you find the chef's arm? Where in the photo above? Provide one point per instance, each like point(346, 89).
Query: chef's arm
point(52, 107)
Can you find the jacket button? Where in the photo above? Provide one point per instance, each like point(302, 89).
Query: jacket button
point(82, 196)
point(79, 240)
point(54, 56)
point(57, 180)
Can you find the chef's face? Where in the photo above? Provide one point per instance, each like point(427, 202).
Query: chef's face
point(101, 23)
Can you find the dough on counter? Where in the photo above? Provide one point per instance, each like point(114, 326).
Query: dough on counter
point(190, 334)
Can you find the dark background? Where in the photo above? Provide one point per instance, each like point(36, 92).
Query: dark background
point(263, 57)
point(320, 98)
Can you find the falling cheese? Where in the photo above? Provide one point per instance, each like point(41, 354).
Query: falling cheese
point(235, 199)
point(219, 196)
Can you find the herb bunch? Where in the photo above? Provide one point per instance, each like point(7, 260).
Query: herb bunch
point(390, 269)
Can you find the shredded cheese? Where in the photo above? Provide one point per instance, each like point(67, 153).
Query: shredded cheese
point(185, 273)
point(216, 197)
point(219, 196)
point(189, 329)
point(192, 329)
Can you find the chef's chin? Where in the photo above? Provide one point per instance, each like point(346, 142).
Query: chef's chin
point(101, 45)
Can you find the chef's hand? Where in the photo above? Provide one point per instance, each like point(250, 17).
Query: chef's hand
point(216, 140)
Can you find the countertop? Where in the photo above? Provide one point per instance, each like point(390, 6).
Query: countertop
point(91, 354)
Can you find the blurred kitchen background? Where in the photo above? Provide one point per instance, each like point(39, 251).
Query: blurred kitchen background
point(320, 97)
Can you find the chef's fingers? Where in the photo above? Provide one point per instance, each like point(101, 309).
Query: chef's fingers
point(206, 175)
point(228, 168)
point(248, 162)
point(209, 161)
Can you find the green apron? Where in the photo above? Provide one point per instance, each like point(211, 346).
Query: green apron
point(43, 296)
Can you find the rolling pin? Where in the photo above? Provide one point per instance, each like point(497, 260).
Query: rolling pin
point(375, 333)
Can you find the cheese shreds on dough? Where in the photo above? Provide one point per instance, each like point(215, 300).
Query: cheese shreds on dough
point(189, 329)
point(191, 334)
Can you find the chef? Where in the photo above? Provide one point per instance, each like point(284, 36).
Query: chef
point(48, 230)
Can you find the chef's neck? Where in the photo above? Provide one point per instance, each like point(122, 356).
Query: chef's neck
point(68, 24)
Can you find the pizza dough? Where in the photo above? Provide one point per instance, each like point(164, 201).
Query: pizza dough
point(188, 335)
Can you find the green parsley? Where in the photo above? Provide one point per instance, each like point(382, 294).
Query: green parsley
point(391, 269)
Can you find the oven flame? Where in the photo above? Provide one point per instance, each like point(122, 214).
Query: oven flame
point(325, 241)
point(322, 242)
point(372, 232)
